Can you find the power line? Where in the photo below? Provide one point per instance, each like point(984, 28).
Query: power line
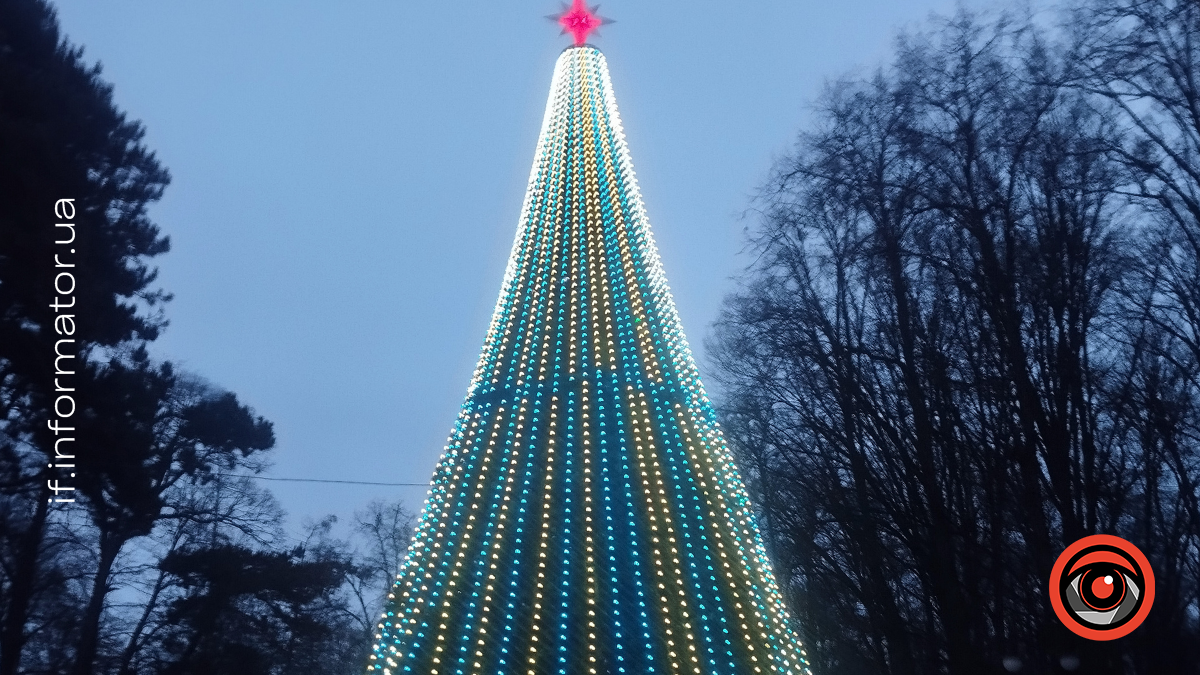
point(324, 480)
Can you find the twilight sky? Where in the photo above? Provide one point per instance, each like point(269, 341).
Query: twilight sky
point(347, 178)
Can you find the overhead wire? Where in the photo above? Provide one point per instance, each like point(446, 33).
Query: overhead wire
point(323, 480)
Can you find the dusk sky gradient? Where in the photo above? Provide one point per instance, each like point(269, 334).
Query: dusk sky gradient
point(347, 178)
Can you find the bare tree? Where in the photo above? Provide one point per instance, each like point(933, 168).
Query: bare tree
point(931, 369)
point(227, 510)
point(386, 529)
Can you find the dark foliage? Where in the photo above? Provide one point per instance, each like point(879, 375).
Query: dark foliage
point(62, 138)
point(246, 612)
point(960, 350)
point(82, 589)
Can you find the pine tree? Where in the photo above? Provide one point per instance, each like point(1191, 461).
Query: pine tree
point(62, 138)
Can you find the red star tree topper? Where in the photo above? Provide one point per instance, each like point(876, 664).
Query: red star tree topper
point(580, 21)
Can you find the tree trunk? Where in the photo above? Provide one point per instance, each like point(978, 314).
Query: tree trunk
point(85, 657)
point(132, 646)
point(12, 634)
point(159, 584)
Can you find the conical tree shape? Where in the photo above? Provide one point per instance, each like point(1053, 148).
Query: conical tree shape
point(587, 517)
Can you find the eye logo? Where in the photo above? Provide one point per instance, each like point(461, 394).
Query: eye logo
point(1102, 587)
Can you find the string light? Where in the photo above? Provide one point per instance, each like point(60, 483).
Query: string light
point(587, 515)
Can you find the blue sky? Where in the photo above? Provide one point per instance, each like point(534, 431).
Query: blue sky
point(347, 178)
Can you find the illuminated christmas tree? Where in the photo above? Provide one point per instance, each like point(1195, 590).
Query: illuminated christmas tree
point(587, 516)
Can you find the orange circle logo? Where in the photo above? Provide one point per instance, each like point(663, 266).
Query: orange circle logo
point(1102, 587)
